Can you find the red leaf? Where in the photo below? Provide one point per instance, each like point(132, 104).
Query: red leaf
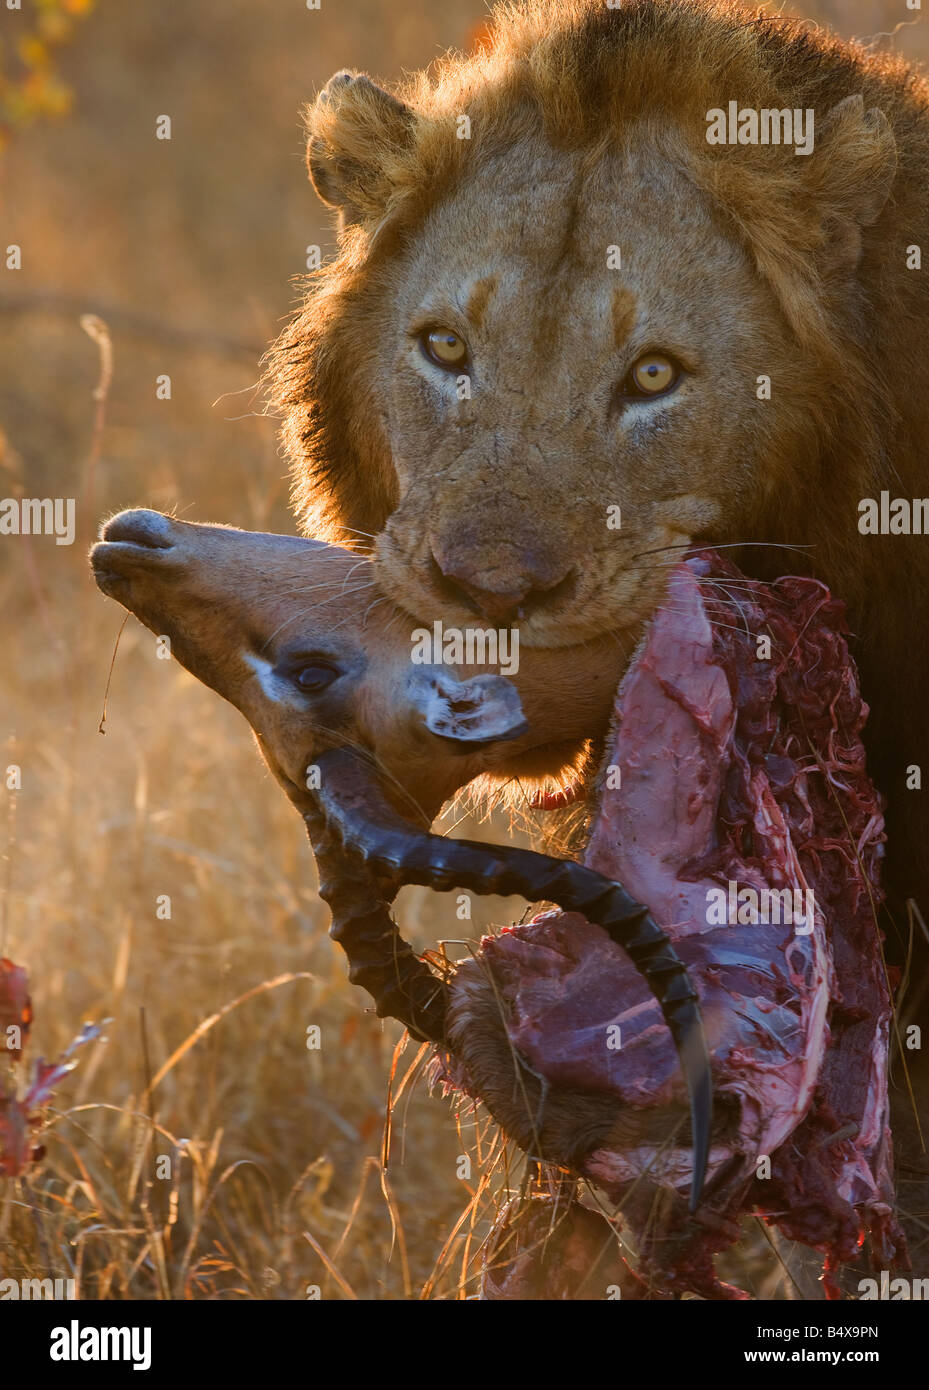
point(19, 1118)
point(47, 1075)
point(15, 1139)
point(15, 1006)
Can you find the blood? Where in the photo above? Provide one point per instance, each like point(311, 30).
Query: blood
point(738, 733)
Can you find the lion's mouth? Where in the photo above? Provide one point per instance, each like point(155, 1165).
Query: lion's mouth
point(570, 613)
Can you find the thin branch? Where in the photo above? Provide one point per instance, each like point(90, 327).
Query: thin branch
point(133, 323)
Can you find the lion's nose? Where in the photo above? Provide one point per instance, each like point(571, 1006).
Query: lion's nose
point(511, 597)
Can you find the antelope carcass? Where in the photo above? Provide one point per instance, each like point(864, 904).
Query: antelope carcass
point(734, 772)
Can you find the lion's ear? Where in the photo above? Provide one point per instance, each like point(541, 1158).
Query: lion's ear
point(851, 171)
point(355, 130)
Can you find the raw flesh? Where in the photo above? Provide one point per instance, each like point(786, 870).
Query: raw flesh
point(737, 740)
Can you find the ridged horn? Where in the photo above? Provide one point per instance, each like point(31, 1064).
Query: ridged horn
point(379, 960)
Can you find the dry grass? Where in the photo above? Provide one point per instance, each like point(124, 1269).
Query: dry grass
point(275, 1150)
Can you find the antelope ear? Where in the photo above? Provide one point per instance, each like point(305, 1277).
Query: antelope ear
point(485, 709)
point(850, 174)
point(355, 130)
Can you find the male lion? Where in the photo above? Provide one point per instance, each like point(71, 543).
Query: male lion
point(565, 335)
point(616, 290)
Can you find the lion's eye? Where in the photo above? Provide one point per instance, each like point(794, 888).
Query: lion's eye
point(315, 677)
point(653, 374)
point(444, 347)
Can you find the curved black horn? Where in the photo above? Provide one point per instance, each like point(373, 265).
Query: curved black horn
point(357, 812)
point(379, 960)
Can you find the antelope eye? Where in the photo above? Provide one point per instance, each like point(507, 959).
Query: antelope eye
point(444, 347)
point(315, 677)
point(653, 374)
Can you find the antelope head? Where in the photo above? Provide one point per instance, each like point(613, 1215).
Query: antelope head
point(369, 743)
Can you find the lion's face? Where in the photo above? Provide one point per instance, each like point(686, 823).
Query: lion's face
point(552, 494)
point(551, 355)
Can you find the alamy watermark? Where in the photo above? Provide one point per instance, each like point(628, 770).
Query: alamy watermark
point(38, 1290)
point(77, 1343)
point(768, 126)
point(893, 516)
point(38, 516)
point(470, 646)
point(735, 906)
point(902, 1288)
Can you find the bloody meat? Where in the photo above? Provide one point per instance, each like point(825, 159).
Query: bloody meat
point(737, 740)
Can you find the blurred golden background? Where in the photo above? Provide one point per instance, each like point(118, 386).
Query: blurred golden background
point(187, 250)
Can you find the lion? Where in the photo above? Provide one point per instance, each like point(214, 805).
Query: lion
point(570, 331)
point(565, 335)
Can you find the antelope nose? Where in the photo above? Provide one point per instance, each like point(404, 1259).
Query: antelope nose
point(140, 526)
point(517, 596)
